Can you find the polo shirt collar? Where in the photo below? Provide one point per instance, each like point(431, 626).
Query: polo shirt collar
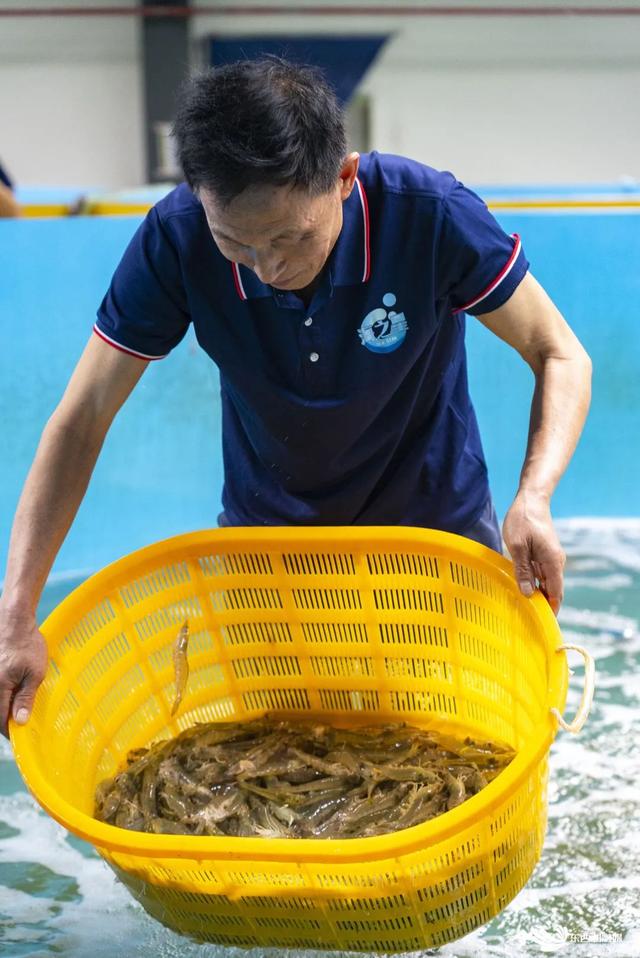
point(350, 259)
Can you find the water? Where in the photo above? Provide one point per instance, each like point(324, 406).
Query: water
point(58, 898)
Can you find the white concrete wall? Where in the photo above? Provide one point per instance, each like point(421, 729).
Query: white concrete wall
point(495, 99)
point(71, 99)
point(499, 99)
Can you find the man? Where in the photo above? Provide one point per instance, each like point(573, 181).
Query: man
point(330, 289)
point(8, 203)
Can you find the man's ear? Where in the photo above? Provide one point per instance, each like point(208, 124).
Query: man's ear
point(348, 174)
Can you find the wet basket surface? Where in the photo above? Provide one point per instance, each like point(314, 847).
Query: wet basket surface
point(355, 625)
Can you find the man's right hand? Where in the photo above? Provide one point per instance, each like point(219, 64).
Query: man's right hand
point(23, 664)
point(51, 497)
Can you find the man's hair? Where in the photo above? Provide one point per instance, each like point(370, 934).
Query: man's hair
point(263, 121)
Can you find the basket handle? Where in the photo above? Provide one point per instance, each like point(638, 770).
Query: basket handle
point(587, 692)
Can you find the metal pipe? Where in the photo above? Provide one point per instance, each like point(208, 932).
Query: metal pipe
point(319, 11)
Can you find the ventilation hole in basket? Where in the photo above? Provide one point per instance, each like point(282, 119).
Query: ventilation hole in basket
point(275, 665)
point(271, 699)
point(403, 563)
point(273, 921)
point(519, 867)
point(481, 716)
point(83, 745)
point(342, 700)
point(403, 668)
point(168, 617)
point(196, 898)
point(456, 909)
point(256, 902)
point(389, 902)
point(473, 579)
point(236, 564)
point(118, 693)
point(424, 701)
point(191, 919)
point(341, 666)
point(84, 630)
point(194, 876)
point(268, 879)
point(216, 711)
point(327, 599)
point(408, 599)
point(133, 732)
point(242, 599)
point(311, 563)
point(106, 766)
point(449, 859)
point(492, 690)
point(326, 632)
point(482, 651)
point(245, 633)
point(434, 890)
point(384, 945)
point(66, 713)
point(409, 633)
point(205, 677)
point(381, 880)
point(502, 819)
point(163, 579)
point(103, 661)
point(463, 926)
point(399, 563)
point(480, 616)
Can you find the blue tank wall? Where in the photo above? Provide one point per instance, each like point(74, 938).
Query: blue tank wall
point(161, 472)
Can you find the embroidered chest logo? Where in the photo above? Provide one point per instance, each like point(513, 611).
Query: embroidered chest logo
point(383, 330)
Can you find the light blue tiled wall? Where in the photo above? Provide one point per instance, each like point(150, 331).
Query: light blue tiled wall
point(160, 472)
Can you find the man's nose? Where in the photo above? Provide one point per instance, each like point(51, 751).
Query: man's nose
point(269, 268)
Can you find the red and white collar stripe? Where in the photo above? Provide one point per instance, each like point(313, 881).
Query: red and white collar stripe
point(237, 279)
point(366, 238)
point(504, 272)
point(367, 231)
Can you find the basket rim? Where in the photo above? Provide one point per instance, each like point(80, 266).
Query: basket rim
point(110, 838)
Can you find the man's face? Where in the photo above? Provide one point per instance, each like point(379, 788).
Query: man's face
point(284, 235)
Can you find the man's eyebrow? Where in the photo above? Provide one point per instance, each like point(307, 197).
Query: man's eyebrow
point(287, 232)
point(222, 235)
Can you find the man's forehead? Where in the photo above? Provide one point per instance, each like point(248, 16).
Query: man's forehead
point(263, 210)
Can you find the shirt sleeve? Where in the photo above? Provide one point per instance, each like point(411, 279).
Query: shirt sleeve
point(144, 312)
point(479, 265)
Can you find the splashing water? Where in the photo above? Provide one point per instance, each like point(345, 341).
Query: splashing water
point(58, 897)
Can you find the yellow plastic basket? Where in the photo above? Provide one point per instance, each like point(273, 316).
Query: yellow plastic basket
point(353, 624)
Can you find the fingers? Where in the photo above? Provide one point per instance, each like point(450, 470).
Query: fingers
point(23, 699)
point(551, 580)
point(5, 705)
point(523, 567)
point(547, 573)
point(17, 703)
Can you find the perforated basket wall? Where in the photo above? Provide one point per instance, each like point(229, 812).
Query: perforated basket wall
point(352, 624)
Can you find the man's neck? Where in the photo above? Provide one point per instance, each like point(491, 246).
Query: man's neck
point(306, 294)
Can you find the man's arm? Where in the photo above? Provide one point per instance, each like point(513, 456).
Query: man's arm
point(531, 323)
point(53, 491)
point(8, 203)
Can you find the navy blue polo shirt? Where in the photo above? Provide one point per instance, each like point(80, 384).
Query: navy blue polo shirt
point(355, 409)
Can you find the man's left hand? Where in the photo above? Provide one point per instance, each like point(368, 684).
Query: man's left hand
point(534, 547)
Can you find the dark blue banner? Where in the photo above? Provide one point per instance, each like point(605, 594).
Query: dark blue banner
point(344, 60)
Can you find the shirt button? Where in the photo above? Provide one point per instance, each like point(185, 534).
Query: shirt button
point(308, 321)
point(314, 357)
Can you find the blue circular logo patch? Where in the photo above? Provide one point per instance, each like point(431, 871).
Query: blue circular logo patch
point(383, 331)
